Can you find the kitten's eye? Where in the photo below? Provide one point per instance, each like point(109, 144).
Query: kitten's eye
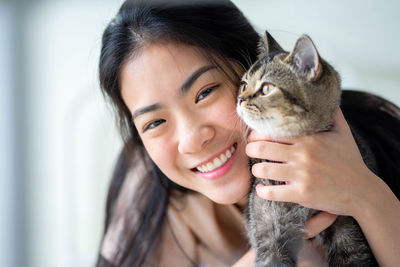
point(205, 93)
point(243, 86)
point(267, 88)
point(153, 124)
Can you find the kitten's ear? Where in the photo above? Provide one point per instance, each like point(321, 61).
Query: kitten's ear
point(268, 45)
point(305, 59)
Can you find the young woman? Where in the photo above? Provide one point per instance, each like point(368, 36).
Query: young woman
point(179, 188)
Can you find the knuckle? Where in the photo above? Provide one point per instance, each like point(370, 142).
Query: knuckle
point(264, 169)
point(270, 195)
point(308, 157)
point(303, 174)
point(306, 175)
point(260, 148)
point(255, 149)
point(305, 191)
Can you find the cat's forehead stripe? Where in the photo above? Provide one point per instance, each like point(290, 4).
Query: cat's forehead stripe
point(260, 63)
point(255, 68)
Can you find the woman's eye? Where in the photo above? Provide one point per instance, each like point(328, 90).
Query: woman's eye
point(205, 93)
point(153, 124)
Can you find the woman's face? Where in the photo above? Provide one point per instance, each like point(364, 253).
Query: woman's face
point(184, 110)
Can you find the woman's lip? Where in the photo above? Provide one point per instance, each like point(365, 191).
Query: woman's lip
point(210, 159)
point(218, 172)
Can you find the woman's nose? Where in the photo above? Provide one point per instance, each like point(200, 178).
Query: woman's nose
point(194, 137)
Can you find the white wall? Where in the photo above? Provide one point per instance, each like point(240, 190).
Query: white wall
point(53, 193)
point(7, 142)
point(72, 140)
point(69, 140)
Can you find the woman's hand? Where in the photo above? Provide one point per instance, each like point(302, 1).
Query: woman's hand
point(309, 256)
point(323, 171)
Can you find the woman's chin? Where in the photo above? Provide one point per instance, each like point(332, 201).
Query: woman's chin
point(230, 197)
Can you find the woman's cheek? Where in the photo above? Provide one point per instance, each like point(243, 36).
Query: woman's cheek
point(160, 154)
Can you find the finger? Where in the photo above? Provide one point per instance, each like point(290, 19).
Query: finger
point(246, 260)
point(311, 256)
point(271, 171)
point(283, 193)
point(318, 223)
point(256, 136)
point(268, 150)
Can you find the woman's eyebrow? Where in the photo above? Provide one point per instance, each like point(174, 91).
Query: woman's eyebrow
point(193, 77)
point(145, 109)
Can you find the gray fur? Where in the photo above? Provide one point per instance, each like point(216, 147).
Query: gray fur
point(290, 94)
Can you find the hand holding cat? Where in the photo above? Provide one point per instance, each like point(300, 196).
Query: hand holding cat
point(323, 171)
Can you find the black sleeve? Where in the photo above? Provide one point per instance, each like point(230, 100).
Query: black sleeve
point(377, 121)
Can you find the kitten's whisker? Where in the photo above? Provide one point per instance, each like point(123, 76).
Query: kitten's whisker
point(236, 121)
point(246, 56)
point(242, 128)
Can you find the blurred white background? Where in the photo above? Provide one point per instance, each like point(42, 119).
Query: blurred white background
point(58, 138)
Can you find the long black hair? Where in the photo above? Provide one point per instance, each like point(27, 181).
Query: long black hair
point(221, 33)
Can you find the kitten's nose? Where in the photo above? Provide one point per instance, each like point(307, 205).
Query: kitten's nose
point(240, 99)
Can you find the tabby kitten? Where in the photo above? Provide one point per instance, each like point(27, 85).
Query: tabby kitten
point(290, 94)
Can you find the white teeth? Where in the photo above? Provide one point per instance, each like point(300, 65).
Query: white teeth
point(223, 158)
point(217, 162)
point(209, 166)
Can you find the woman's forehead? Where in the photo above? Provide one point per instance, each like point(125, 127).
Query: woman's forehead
point(158, 68)
point(166, 57)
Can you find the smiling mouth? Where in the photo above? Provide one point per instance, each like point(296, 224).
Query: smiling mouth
point(217, 161)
